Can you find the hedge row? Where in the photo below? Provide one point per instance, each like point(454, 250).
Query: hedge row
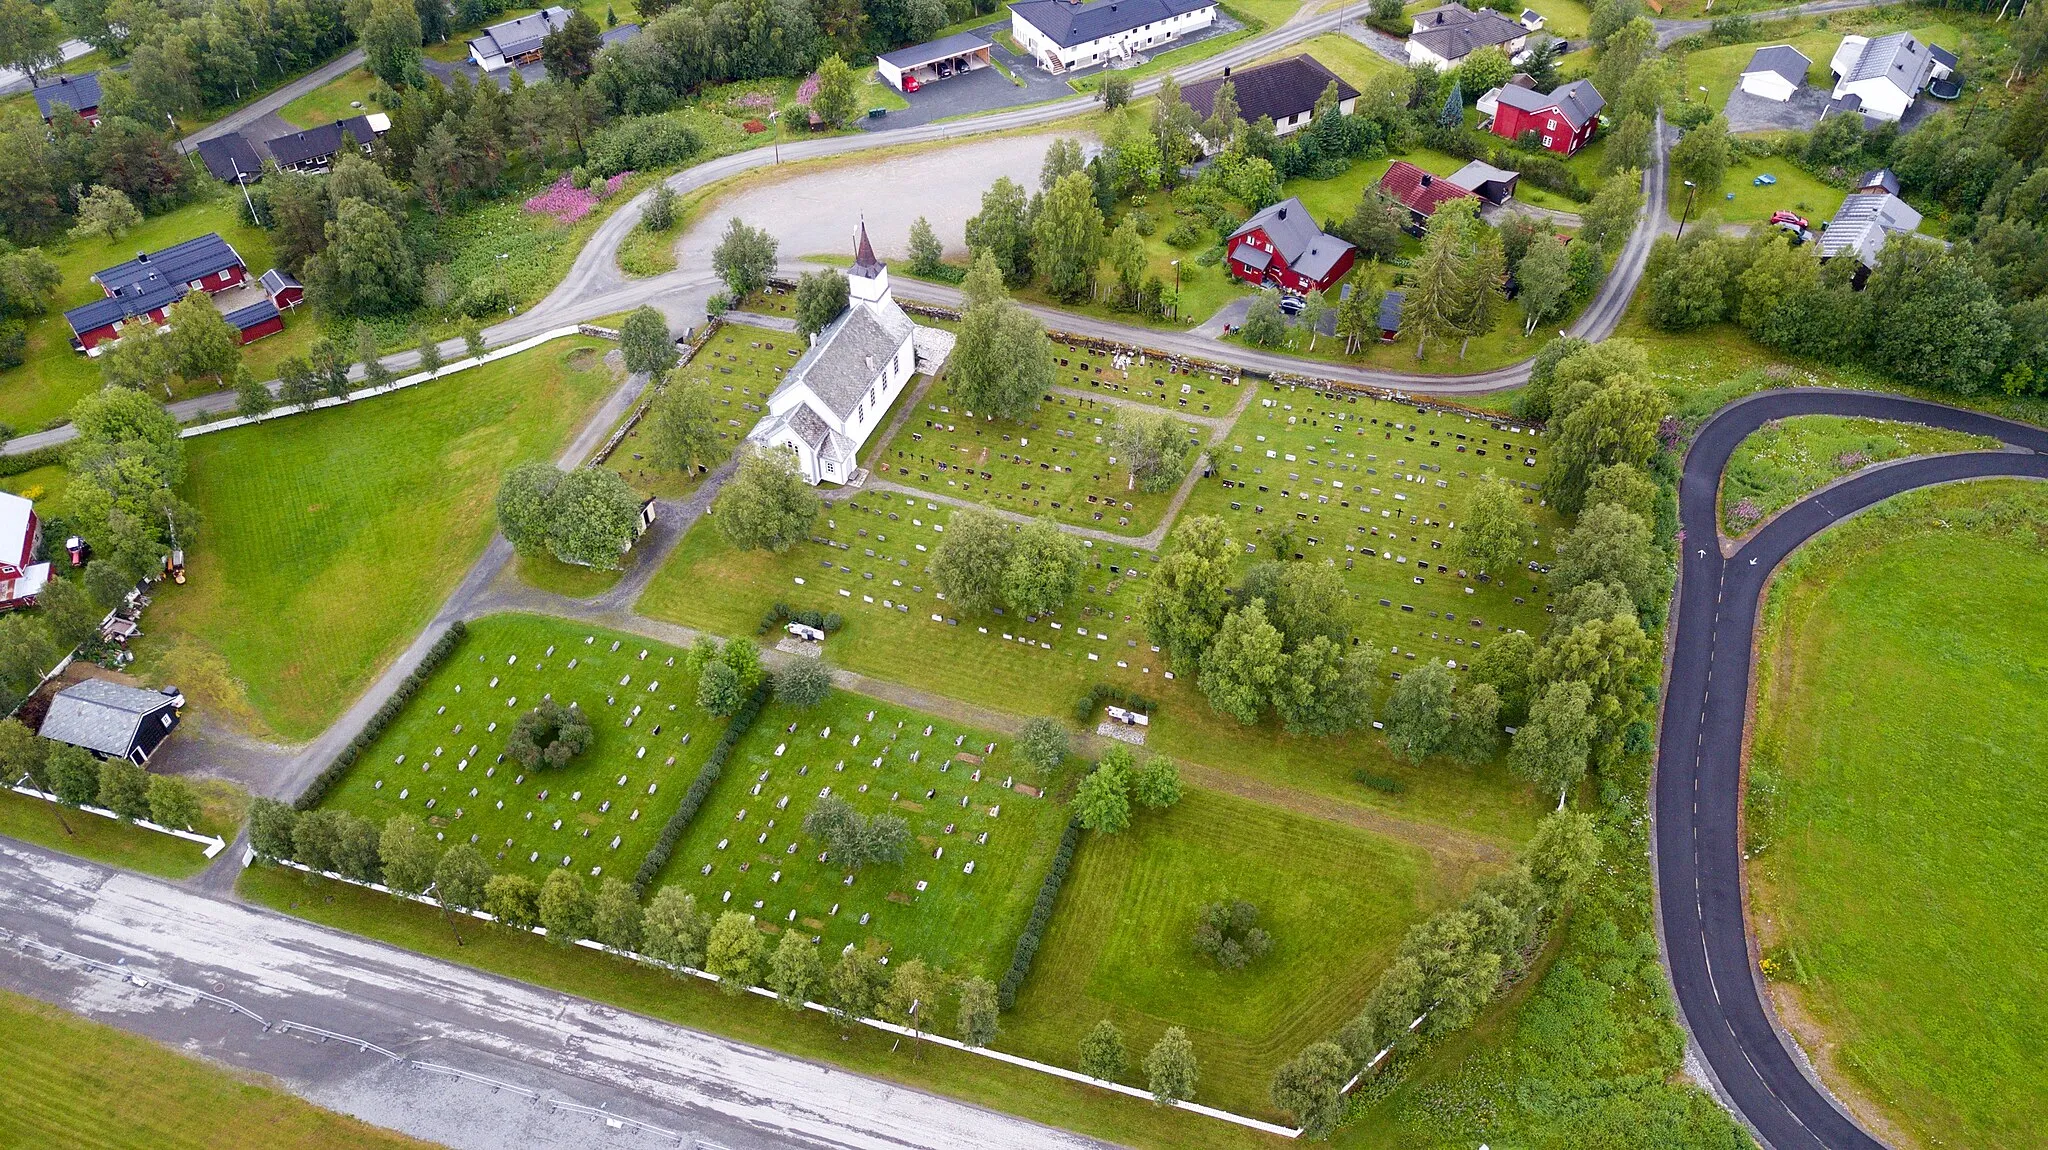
point(28, 461)
point(410, 686)
point(1041, 914)
point(700, 789)
point(826, 621)
point(1101, 693)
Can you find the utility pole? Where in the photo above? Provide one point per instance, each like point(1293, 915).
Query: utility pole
point(1684, 215)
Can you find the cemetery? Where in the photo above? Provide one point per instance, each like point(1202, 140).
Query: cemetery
point(982, 828)
point(1376, 487)
point(1054, 464)
point(444, 762)
point(740, 366)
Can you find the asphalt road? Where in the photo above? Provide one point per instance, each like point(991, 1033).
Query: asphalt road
point(538, 1046)
point(1697, 791)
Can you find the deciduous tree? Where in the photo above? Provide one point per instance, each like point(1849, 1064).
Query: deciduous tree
point(594, 516)
point(1242, 667)
point(1102, 1052)
point(972, 560)
point(672, 929)
point(838, 94)
point(1152, 446)
point(766, 505)
point(408, 853)
point(978, 1015)
point(645, 342)
point(734, 952)
point(1310, 1086)
point(1494, 535)
point(795, 973)
point(1551, 749)
point(460, 877)
point(1419, 713)
point(1102, 802)
point(820, 297)
point(1185, 600)
point(744, 258)
point(1170, 1067)
point(1043, 570)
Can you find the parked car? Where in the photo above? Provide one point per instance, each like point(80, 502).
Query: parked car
point(910, 83)
point(1792, 218)
point(1292, 304)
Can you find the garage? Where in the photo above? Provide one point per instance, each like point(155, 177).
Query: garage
point(909, 69)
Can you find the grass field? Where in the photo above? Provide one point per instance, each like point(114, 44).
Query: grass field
point(330, 538)
point(118, 843)
point(961, 811)
point(332, 101)
point(947, 449)
point(1790, 457)
point(551, 574)
point(742, 365)
point(69, 1081)
point(1125, 1121)
point(603, 810)
point(1740, 200)
point(1902, 875)
point(1335, 900)
point(43, 389)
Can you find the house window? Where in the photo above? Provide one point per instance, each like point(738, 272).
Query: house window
point(1546, 141)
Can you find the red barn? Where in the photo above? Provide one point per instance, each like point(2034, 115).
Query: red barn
point(21, 579)
point(1418, 191)
point(1564, 121)
point(1282, 245)
point(150, 283)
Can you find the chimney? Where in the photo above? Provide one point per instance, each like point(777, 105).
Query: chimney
point(1226, 71)
point(1427, 179)
point(142, 257)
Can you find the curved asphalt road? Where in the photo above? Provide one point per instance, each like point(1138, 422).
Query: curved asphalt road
point(1697, 792)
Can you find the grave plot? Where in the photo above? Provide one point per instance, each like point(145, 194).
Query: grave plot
point(981, 834)
point(742, 366)
point(443, 760)
point(1140, 378)
point(867, 561)
point(1054, 463)
point(1377, 488)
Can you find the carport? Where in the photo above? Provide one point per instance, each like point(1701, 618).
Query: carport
point(924, 63)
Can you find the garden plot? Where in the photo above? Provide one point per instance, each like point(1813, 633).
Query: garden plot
point(982, 833)
point(1376, 487)
point(1055, 464)
point(443, 760)
point(742, 366)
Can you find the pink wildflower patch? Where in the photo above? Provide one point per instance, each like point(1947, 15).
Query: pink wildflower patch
point(807, 89)
point(564, 201)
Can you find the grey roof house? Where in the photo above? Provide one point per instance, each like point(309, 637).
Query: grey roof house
point(112, 721)
point(516, 42)
point(1865, 223)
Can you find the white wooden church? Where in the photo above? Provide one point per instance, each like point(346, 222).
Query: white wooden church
point(836, 395)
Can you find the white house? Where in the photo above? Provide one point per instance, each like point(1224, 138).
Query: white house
point(1881, 77)
point(1775, 72)
point(1060, 36)
point(836, 395)
point(1443, 36)
point(516, 42)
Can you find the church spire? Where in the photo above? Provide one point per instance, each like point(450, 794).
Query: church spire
point(864, 262)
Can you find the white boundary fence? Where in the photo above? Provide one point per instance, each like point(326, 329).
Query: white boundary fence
point(214, 844)
point(418, 377)
point(249, 857)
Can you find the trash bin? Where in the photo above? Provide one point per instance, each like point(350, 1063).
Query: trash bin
point(877, 113)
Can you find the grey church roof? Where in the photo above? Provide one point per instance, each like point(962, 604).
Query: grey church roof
point(849, 355)
point(100, 716)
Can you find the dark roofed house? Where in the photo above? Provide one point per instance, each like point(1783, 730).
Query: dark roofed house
point(1775, 72)
point(81, 94)
point(1880, 180)
point(1494, 185)
point(112, 721)
point(1286, 90)
point(1443, 36)
point(1282, 245)
point(231, 159)
point(150, 283)
point(1418, 191)
point(516, 42)
point(1059, 35)
point(313, 149)
point(1390, 316)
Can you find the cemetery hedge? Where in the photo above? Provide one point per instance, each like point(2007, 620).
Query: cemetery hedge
point(1041, 914)
point(700, 788)
point(406, 689)
point(28, 461)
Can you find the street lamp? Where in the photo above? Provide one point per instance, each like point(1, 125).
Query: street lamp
point(1176, 289)
point(1689, 189)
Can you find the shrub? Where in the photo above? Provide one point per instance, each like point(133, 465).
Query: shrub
point(1228, 932)
point(640, 143)
point(1041, 915)
point(700, 789)
point(551, 734)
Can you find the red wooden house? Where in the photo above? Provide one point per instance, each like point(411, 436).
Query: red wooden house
point(150, 283)
point(1563, 121)
point(21, 579)
point(1282, 245)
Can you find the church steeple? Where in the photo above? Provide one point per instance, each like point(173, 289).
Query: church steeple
point(868, 278)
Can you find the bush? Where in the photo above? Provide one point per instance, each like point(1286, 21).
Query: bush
point(551, 734)
point(639, 144)
point(1041, 915)
point(1228, 932)
point(1103, 694)
point(700, 789)
point(407, 688)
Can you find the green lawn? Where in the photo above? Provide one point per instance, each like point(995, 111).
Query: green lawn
point(1335, 900)
point(947, 449)
point(1741, 200)
point(742, 365)
point(329, 539)
point(1718, 70)
point(1341, 54)
point(42, 390)
point(1902, 880)
point(689, 1002)
point(338, 100)
point(1788, 458)
point(747, 850)
point(551, 574)
point(442, 761)
point(119, 844)
point(70, 1081)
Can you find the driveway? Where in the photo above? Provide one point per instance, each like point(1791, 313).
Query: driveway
point(979, 91)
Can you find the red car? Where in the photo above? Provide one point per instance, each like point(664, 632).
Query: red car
point(910, 83)
point(1791, 218)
